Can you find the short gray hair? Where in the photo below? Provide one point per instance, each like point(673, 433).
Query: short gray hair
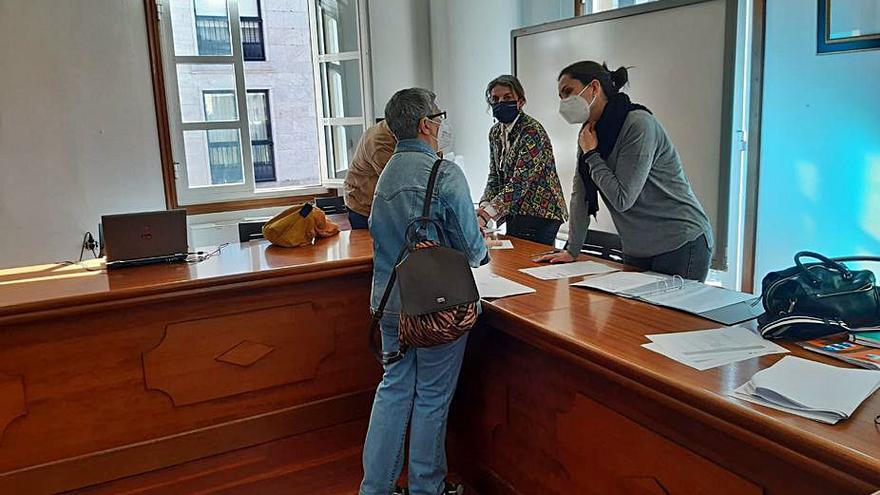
point(406, 109)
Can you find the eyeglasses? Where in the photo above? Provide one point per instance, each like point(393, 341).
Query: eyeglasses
point(442, 116)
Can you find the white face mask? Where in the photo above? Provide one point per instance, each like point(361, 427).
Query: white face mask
point(575, 109)
point(444, 136)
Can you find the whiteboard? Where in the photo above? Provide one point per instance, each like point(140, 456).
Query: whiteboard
point(681, 57)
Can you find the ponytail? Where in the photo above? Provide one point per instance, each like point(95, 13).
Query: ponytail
point(586, 71)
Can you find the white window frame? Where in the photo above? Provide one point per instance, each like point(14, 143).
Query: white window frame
point(362, 55)
point(190, 196)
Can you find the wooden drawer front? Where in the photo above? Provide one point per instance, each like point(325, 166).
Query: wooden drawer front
point(533, 424)
point(222, 356)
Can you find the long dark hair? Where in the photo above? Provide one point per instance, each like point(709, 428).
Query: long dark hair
point(507, 81)
point(587, 70)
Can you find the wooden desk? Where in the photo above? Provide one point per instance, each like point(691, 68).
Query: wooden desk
point(557, 396)
point(104, 375)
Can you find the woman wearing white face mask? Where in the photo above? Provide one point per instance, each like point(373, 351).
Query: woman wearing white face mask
point(626, 156)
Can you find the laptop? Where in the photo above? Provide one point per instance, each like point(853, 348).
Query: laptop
point(132, 239)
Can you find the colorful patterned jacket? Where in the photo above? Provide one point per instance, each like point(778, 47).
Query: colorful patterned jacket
point(523, 179)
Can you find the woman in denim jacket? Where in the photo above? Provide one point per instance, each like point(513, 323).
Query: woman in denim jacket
point(415, 391)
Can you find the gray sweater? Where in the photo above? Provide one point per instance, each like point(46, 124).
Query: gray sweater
point(652, 204)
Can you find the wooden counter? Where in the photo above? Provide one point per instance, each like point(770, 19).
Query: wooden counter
point(558, 396)
point(106, 375)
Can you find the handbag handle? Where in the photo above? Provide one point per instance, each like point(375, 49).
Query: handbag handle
point(835, 263)
point(825, 261)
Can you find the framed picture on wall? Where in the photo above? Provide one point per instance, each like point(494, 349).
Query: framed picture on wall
point(845, 25)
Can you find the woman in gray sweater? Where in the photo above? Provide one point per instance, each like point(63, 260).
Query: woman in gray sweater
point(626, 156)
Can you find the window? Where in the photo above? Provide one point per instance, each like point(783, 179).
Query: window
point(339, 67)
point(224, 156)
point(303, 116)
point(261, 135)
point(583, 7)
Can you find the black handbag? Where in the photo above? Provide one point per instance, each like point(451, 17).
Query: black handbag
point(811, 300)
point(438, 294)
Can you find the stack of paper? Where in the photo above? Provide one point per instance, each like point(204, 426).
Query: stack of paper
point(566, 270)
point(704, 349)
point(813, 390)
point(492, 286)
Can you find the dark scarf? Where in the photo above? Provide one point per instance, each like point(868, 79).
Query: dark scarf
point(607, 131)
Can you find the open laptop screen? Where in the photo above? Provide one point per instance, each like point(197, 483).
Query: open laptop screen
point(151, 234)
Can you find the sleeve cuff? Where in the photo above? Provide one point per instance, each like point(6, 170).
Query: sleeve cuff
point(491, 211)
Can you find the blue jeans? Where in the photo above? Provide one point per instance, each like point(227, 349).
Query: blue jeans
point(357, 220)
point(416, 392)
point(690, 261)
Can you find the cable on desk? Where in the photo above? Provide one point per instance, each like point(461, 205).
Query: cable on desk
point(201, 256)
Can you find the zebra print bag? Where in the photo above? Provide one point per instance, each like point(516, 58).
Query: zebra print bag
point(438, 295)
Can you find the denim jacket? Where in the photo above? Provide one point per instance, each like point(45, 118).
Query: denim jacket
point(399, 198)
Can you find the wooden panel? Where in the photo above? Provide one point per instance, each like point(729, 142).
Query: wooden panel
point(86, 383)
point(628, 454)
point(13, 403)
point(100, 467)
point(325, 461)
point(526, 421)
point(239, 352)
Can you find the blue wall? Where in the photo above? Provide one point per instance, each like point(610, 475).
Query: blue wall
point(820, 145)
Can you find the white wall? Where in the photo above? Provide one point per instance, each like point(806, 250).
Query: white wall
point(77, 124)
point(400, 42)
point(820, 146)
point(470, 45)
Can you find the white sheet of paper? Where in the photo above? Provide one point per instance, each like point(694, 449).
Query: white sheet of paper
point(566, 270)
point(621, 282)
point(505, 244)
point(714, 342)
point(705, 349)
point(492, 286)
point(700, 364)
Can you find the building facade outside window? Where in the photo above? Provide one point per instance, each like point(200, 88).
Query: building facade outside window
point(285, 75)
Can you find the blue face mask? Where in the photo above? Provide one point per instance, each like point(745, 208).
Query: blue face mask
point(505, 111)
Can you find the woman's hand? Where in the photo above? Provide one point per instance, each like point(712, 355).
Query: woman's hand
point(560, 257)
point(481, 217)
point(587, 139)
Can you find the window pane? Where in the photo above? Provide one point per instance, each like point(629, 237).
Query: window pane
point(337, 26)
point(341, 144)
point(213, 157)
point(220, 106)
point(248, 8)
point(261, 136)
point(195, 80)
point(184, 25)
point(341, 85)
point(595, 6)
point(212, 28)
point(251, 31)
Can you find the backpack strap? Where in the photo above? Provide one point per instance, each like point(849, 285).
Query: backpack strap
point(387, 358)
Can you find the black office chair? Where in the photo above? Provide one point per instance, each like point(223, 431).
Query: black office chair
point(249, 231)
point(605, 245)
point(332, 205)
